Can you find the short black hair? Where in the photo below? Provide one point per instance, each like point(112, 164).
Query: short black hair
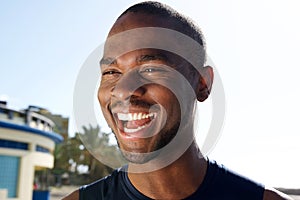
point(187, 26)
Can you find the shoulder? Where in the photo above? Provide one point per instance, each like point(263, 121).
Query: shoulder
point(104, 184)
point(222, 182)
point(73, 196)
point(272, 194)
point(232, 180)
point(100, 189)
point(247, 186)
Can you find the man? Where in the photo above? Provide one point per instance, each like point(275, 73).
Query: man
point(153, 73)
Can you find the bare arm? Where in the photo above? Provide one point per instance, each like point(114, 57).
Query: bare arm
point(272, 194)
point(73, 196)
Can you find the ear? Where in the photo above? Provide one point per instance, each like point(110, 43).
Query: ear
point(205, 83)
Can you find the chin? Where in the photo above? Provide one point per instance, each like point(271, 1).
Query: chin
point(144, 157)
point(139, 158)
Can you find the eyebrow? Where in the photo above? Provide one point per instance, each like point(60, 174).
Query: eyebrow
point(107, 61)
point(140, 59)
point(152, 57)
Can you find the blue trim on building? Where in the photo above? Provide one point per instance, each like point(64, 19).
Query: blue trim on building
point(53, 136)
point(42, 149)
point(13, 144)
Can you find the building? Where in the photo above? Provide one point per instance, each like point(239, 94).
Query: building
point(27, 142)
point(61, 123)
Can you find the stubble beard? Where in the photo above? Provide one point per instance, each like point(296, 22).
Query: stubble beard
point(142, 158)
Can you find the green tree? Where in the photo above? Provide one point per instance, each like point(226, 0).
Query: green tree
point(86, 149)
point(98, 143)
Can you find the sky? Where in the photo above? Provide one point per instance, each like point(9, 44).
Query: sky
point(254, 45)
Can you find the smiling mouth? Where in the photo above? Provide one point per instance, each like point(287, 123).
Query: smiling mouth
point(132, 124)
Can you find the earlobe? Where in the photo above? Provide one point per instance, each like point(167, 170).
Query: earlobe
point(205, 83)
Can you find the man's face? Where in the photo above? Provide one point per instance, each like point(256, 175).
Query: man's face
point(139, 93)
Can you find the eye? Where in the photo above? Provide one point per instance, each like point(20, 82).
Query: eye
point(110, 72)
point(152, 70)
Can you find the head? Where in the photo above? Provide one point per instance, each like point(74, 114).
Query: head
point(152, 78)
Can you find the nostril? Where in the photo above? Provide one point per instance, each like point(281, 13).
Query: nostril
point(125, 93)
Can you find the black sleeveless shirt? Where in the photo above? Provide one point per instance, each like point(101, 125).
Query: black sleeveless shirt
point(219, 184)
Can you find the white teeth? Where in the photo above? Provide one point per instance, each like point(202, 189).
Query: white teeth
point(134, 116)
point(128, 130)
point(140, 116)
point(144, 116)
point(122, 116)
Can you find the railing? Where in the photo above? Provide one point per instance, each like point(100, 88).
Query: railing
point(27, 117)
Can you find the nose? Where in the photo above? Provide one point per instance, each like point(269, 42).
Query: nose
point(129, 85)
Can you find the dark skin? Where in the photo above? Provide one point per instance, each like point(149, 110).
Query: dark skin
point(181, 178)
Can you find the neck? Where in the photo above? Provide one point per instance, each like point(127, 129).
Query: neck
point(176, 181)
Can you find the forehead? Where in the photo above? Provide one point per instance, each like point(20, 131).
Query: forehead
point(135, 31)
point(138, 39)
point(137, 20)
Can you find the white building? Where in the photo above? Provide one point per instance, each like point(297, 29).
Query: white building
point(27, 143)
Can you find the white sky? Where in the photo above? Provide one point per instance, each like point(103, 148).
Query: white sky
point(254, 44)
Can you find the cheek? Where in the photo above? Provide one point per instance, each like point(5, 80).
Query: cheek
point(167, 99)
point(103, 97)
point(104, 100)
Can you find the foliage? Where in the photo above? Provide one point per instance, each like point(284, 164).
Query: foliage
point(75, 151)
